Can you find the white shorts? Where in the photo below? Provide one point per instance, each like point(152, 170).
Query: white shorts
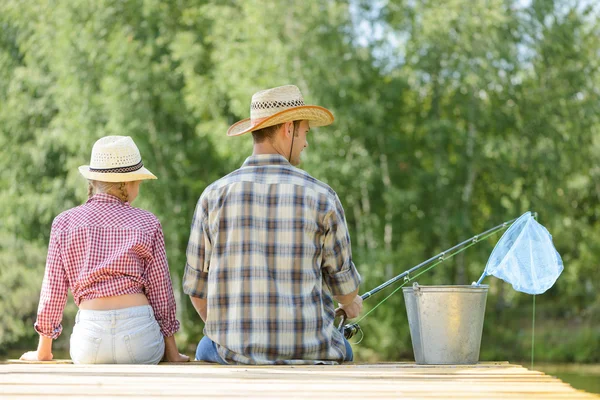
point(124, 336)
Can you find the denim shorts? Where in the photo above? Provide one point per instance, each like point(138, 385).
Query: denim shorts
point(124, 336)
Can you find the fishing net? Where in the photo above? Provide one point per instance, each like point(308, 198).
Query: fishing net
point(525, 257)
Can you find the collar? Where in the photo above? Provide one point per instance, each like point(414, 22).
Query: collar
point(105, 198)
point(265, 159)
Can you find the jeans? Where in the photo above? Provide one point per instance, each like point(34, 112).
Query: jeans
point(207, 351)
point(125, 336)
point(349, 352)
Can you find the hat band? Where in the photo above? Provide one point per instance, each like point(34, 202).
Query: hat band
point(118, 170)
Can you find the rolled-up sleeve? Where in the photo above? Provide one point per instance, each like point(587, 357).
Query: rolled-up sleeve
point(159, 289)
point(339, 271)
point(198, 253)
point(53, 296)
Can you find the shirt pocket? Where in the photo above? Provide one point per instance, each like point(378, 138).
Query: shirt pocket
point(84, 346)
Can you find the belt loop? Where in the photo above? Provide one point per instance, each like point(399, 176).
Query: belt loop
point(77, 316)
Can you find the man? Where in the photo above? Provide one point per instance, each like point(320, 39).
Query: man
point(269, 249)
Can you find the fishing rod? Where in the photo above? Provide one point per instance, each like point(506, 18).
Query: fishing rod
point(351, 329)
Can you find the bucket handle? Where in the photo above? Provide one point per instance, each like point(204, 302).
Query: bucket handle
point(416, 289)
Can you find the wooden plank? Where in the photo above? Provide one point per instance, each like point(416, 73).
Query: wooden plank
point(275, 387)
point(301, 396)
point(15, 361)
point(353, 381)
point(276, 392)
point(406, 364)
point(41, 378)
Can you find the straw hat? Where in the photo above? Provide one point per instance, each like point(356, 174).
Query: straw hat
point(115, 159)
point(276, 106)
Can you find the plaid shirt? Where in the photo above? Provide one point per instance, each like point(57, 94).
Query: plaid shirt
point(268, 249)
point(105, 248)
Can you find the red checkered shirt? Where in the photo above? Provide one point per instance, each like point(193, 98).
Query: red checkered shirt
point(105, 248)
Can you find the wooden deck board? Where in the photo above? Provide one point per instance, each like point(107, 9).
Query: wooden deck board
point(63, 380)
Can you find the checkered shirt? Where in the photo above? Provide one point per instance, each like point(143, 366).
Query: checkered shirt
point(268, 249)
point(105, 248)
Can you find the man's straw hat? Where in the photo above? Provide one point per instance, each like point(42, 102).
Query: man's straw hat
point(115, 159)
point(276, 106)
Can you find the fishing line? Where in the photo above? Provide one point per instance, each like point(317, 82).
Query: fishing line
point(407, 278)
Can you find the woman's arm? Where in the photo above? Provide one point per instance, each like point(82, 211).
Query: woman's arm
point(43, 353)
point(171, 352)
point(159, 292)
point(52, 301)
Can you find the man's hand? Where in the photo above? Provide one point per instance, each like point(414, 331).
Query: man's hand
point(352, 309)
point(36, 356)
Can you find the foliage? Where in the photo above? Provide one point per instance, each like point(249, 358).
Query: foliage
point(449, 120)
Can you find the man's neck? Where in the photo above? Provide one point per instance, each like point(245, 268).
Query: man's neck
point(265, 148)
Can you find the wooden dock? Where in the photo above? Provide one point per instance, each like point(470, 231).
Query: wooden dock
point(63, 380)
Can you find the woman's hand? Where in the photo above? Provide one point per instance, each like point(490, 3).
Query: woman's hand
point(171, 352)
point(43, 353)
point(36, 356)
point(178, 357)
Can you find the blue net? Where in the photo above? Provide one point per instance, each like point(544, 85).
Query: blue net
point(525, 257)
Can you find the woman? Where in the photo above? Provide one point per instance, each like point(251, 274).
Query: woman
point(112, 257)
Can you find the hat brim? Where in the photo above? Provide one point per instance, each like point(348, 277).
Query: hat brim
point(315, 115)
point(139, 175)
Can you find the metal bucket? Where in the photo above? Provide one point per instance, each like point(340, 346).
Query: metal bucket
point(446, 322)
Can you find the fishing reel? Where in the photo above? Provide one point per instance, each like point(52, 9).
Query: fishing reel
point(350, 330)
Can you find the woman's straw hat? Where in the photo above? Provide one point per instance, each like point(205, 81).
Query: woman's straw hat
point(115, 159)
point(276, 106)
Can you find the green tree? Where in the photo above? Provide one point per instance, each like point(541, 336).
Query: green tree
point(449, 120)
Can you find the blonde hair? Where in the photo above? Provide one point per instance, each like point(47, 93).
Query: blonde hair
point(116, 189)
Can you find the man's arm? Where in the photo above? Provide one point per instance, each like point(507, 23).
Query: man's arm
point(339, 272)
point(200, 306)
point(346, 298)
point(350, 304)
point(195, 278)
